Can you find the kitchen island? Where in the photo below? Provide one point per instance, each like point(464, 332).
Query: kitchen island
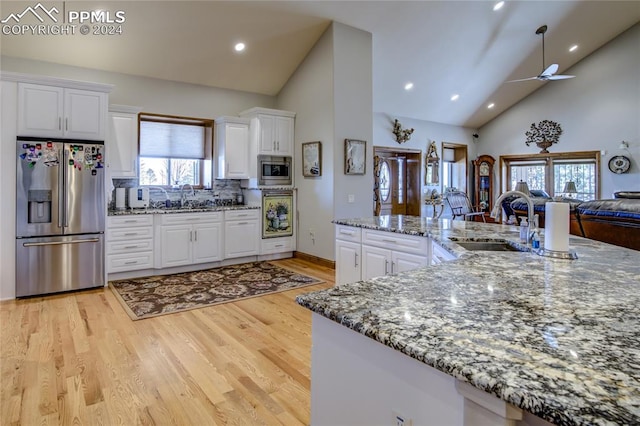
point(556, 338)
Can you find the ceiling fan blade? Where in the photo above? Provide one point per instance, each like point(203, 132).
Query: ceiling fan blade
point(551, 69)
point(523, 79)
point(559, 77)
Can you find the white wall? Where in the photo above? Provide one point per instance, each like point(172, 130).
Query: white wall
point(425, 132)
point(309, 92)
point(597, 110)
point(331, 93)
point(353, 103)
point(153, 95)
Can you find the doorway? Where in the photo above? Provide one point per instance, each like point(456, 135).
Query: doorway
point(454, 167)
point(396, 181)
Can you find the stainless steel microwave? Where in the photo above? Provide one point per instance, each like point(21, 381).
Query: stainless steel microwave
point(274, 170)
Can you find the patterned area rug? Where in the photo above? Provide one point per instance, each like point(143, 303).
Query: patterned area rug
point(159, 295)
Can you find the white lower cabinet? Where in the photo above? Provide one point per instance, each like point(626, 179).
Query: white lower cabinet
point(362, 254)
point(189, 238)
point(129, 243)
point(348, 260)
point(377, 262)
point(277, 245)
point(439, 254)
point(348, 254)
point(242, 233)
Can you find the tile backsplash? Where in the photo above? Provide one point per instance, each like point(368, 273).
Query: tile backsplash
point(223, 192)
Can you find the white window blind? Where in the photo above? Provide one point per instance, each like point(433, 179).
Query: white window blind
point(171, 140)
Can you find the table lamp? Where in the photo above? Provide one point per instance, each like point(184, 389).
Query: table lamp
point(523, 187)
point(570, 189)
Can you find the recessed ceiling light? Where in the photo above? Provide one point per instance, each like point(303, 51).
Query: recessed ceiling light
point(408, 86)
point(239, 47)
point(455, 97)
point(572, 48)
point(491, 105)
point(498, 5)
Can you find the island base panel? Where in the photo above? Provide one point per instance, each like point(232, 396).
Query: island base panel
point(358, 381)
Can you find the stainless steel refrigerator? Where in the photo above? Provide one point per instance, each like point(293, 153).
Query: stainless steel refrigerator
point(60, 215)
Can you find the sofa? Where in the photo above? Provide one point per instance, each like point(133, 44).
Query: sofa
point(517, 206)
point(614, 221)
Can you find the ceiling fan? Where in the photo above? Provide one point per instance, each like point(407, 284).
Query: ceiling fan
point(548, 73)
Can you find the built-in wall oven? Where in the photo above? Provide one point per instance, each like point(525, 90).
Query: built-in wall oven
point(274, 170)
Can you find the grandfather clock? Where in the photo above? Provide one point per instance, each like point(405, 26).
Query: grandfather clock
point(483, 183)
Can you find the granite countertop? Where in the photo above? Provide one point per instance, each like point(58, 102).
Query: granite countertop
point(180, 210)
point(557, 338)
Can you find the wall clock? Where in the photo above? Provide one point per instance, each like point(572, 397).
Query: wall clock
point(619, 164)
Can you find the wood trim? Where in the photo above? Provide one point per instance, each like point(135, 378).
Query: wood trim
point(175, 119)
point(505, 161)
point(315, 259)
point(387, 149)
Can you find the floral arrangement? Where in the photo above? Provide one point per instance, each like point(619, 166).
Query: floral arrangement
point(281, 208)
point(544, 134)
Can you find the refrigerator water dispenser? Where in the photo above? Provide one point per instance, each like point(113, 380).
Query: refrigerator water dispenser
point(39, 206)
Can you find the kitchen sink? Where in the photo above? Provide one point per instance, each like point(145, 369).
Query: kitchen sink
point(491, 245)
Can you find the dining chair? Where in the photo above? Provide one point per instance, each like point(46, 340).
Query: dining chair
point(461, 206)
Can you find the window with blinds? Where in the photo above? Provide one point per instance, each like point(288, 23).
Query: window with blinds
point(173, 150)
point(550, 172)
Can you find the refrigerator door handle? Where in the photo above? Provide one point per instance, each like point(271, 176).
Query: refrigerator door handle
point(65, 180)
point(61, 208)
point(59, 243)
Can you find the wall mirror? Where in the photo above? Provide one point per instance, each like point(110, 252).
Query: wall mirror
point(432, 166)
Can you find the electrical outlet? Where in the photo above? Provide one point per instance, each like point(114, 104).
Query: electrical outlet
point(400, 420)
point(351, 198)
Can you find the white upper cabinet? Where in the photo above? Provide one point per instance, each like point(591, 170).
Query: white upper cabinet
point(122, 141)
point(271, 130)
point(52, 111)
point(40, 110)
point(231, 148)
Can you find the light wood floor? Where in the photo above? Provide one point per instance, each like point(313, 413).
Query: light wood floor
point(79, 359)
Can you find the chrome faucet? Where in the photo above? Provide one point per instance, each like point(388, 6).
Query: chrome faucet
point(531, 217)
point(183, 198)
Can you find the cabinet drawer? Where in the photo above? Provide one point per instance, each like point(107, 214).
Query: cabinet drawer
point(129, 246)
point(128, 234)
point(348, 233)
point(129, 221)
point(190, 218)
point(241, 214)
point(129, 262)
point(395, 241)
point(278, 245)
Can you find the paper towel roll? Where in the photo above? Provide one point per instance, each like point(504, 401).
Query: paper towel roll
point(556, 222)
point(120, 198)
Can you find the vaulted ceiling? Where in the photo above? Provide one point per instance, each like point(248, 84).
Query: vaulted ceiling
point(443, 47)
